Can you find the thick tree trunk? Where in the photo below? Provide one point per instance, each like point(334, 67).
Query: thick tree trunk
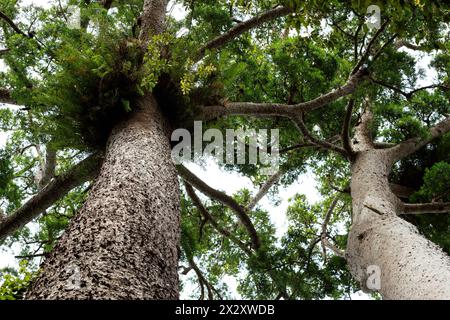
point(411, 266)
point(123, 244)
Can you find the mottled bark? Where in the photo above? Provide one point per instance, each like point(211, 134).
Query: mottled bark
point(123, 244)
point(411, 266)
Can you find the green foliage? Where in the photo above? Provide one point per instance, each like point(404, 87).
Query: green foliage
point(14, 284)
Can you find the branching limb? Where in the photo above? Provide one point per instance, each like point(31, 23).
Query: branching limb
point(407, 95)
point(31, 256)
point(381, 50)
point(404, 43)
point(48, 170)
point(410, 146)
point(265, 188)
point(298, 120)
point(283, 110)
point(332, 247)
point(401, 191)
point(241, 28)
point(368, 50)
point(84, 171)
point(346, 140)
point(362, 139)
point(421, 208)
point(153, 19)
point(333, 140)
point(355, 41)
point(11, 23)
point(324, 236)
point(223, 198)
point(203, 281)
point(185, 270)
point(209, 218)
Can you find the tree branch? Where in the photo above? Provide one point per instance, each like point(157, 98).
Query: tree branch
point(410, 146)
point(241, 28)
point(366, 53)
point(283, 110)
point(403, 43)
point(153, 19)
point(265, 188)
point(420, 208)
point(401, 191)
point(208, 217)
point(407, 95)
point(84, 171)
point(380, 51)
point(334, 139)
point(346, 128)
point(203, 280)
point(298, 120)
point(11, 23)
point(48, 171)
point(362, 140)
point(324, 236)
point(240, 211)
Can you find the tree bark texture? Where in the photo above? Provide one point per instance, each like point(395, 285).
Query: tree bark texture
point(411, 266)
point(123, 244)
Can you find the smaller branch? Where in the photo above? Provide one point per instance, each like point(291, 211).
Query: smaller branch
point(347, 34)
point(410, 146)
point(241, 28)
point(48, 170)
point(403, 43)
point(355, 41)
point(332, 247)
point(32, 256)
point(84, 171)
point(380, 51)
point(333, 140)
point(283, 110)
point(265, 188)
point(11, 23)
point(362, 139)
point(4, 51)
point(346, 140)
point(421, 208)
point(407, 95)
point(223, 198)
point(298, 120)
point(203, 280)
point(310, 250)
point(326, 220)
point(107, 4)
point(208, 217)
point(185, 270)
point(366, 53)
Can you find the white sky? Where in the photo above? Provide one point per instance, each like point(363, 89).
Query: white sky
point(232, 182)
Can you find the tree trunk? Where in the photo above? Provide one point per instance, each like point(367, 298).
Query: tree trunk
point(411, 266)
point(123, 244)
